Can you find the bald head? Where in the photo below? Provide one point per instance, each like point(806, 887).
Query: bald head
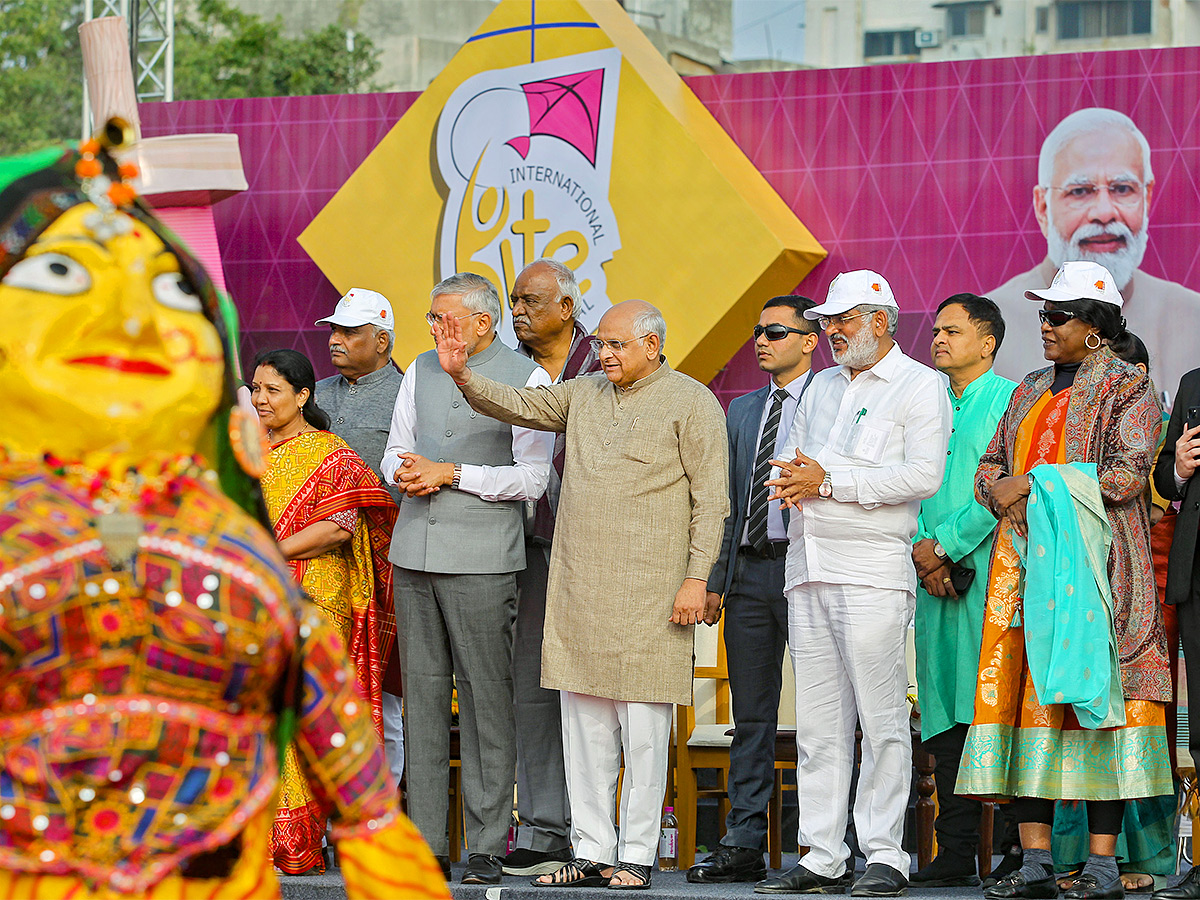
point(632, 335)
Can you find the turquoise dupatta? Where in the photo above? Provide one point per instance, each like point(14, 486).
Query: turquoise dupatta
point(1070, 641)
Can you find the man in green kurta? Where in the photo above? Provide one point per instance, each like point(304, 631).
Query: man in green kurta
point(640, 519)
point(953, 537)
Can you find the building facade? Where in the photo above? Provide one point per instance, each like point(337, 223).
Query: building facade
point(862, 32)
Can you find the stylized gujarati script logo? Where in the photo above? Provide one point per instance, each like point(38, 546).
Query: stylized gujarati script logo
point(526, 153)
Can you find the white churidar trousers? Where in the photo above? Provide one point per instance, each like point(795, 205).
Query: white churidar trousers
point(393, 734)
point(847, 644)
point(595, 730)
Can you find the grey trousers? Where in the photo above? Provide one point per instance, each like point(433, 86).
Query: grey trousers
point(541, 778)
point(457, 629)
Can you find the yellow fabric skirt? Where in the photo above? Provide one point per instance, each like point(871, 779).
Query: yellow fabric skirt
point(389, 863)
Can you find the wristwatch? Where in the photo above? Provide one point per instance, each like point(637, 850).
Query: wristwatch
point(457, 476)
point(825, 489)
point(939, 551)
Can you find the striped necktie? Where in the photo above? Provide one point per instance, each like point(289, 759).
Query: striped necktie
point(756, 523)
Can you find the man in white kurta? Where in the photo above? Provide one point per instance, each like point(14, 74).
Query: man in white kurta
point(870, 438)
point(640, 519)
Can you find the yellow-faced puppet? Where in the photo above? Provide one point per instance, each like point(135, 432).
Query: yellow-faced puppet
point(112, 339)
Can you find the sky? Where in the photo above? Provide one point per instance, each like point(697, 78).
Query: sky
point(768, 29)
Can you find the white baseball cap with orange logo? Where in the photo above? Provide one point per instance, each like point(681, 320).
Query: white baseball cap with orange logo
point(362, 307)
point(1080, 280)
point(861, 287)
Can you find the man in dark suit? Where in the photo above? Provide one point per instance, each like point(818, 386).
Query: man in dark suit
point(749, 575)
point(1175, 478)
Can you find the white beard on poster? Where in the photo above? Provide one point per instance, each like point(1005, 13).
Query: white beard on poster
point(526, 153)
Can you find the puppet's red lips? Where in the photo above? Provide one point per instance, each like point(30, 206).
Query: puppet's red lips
point(121, 364)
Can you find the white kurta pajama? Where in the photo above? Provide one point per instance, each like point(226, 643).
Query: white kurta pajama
point(850, 584)
point(643, 505)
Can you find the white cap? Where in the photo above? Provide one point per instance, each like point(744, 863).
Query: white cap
point(362, 307)
point(850, 289)
point(1080, 280)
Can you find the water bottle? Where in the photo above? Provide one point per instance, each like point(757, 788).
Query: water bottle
point(668, 842)
point(513, 826)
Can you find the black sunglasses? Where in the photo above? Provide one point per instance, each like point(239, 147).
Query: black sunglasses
point(776, 332)
point(1055, 318)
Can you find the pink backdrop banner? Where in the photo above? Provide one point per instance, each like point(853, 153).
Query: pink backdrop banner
point(922, 172)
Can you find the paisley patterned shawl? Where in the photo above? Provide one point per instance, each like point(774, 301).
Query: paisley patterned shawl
point(1113, 420)
point(311, 477)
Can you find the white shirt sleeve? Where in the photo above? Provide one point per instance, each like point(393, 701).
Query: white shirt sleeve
point(527, 477)
point(1180, 481)
point(402, 435)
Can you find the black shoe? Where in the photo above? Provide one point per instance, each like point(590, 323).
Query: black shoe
point(444, 862)
point(524, 861)
point(1187, 888)
point(482, 869)
point(798, 880)
point(880, 881)
point(1087, 888)
point(1014, 887)
point(947, 871)
point(729, 864)
point(1013, 859)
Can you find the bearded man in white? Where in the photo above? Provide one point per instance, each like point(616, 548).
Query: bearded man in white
point(1092, 201)
point(869, 439)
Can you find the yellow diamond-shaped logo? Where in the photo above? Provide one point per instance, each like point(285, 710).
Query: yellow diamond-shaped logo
point(559, 131)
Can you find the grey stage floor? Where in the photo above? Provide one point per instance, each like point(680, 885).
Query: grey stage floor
point(665, 886)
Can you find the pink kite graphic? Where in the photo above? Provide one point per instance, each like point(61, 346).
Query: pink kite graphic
point(567, 108)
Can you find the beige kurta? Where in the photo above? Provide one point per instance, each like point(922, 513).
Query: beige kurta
point(643, 505)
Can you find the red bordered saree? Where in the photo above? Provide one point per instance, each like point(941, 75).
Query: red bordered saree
point(312, 477)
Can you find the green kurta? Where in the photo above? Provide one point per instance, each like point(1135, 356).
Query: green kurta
point(949, 631)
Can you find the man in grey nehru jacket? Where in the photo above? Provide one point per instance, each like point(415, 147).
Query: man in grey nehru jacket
point(458, 544)
point(359, 400)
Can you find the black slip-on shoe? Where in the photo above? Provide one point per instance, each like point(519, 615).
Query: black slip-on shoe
point(727, 865)
point(1012, 859)
point(880, 881)
point(483, 869)
point(1187, 888)
point(1086, 887)
point(799, 880)
point(946, 871)
point(1014, 887)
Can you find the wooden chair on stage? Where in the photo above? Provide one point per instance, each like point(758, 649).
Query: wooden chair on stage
point(455, 818)
point(702, 746)
point(926, 812)
point(706, 746)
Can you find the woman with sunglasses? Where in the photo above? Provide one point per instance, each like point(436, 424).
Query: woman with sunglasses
point(1074, 677)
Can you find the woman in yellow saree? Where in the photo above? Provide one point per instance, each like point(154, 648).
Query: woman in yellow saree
point(333, 520)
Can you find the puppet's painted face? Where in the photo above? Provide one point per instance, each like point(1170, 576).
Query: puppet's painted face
point(103, 346)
